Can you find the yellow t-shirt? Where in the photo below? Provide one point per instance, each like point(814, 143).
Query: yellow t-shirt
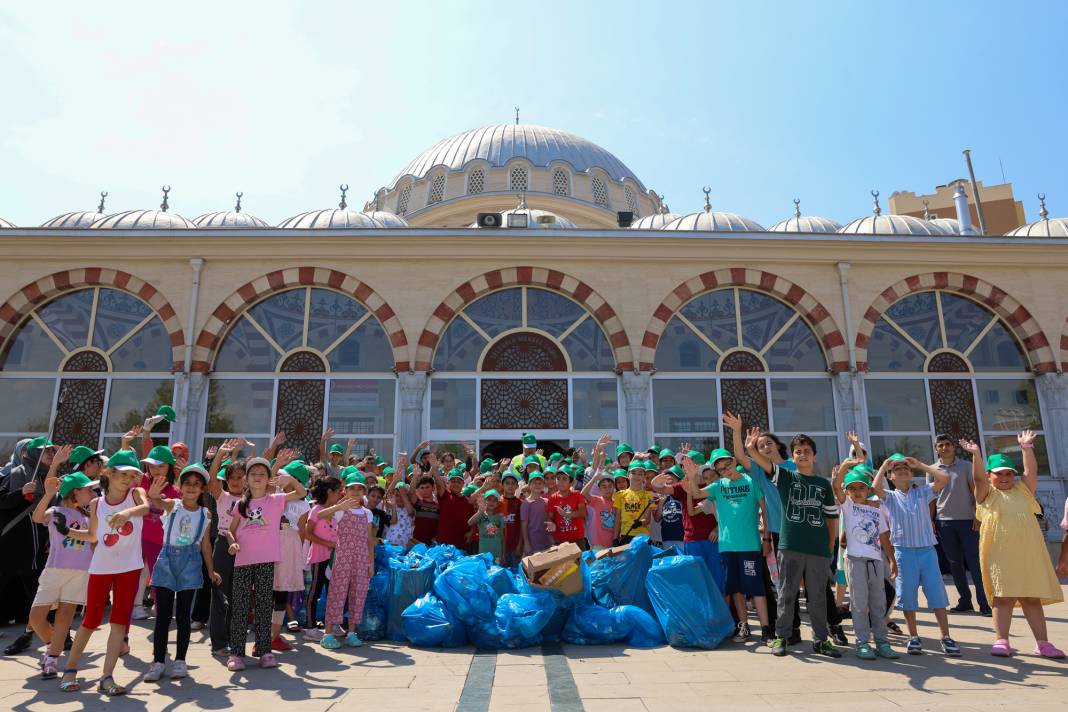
point(631, 506)
point(517, 463)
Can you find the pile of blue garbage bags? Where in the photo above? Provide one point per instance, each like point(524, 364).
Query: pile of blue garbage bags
point(643, 597)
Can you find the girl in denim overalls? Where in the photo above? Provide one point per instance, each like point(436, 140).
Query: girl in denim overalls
point(177, 576)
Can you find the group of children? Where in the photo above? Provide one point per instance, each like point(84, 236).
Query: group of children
point(268, 531)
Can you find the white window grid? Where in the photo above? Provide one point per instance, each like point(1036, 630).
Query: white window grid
point(561, 182)
point(403, 199)
point(600, 191)
point(437, 189)
point(476, 181)
point(632, 200)
point(517, 179)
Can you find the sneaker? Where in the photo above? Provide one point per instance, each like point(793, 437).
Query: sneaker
point(139, 613)
point(883, 650)
point(864, 651)
point(914, 647)
point(778, 647)
point(1048, 650)
point(766, 634)
point(155, 672)
point(280, 645)
point(313, 634)
point(353, 641)
point(179, 669)
point(267, 661)
point(985, 612)
point(795, 638)
point(235, 663)
point(330, 642)
point(741, 633)
point(826, 647)
point(950, 647)
point(19, 644)
point(962, 608)
point(292, 626)
point(839, 635)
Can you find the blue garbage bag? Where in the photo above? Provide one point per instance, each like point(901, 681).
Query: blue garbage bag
point(416, 553)
point(688, 603)
point(488, 636)
point(385, 552)
point(465, 589)
point(524, 615)
point(590, 624)
point(502, 581)
point(620, 580)
point(375, 607)
point(443, 555)
point(644, 629)
point(428, 623)
point(409, 580)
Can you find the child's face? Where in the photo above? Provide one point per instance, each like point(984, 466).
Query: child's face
point(257, 479)
point(356, 491)
point(858, 492)
point(425, 491)
point(491, 504)
point(235, 483)
point(563, 482)
point(621, 483)
point(373, 498)
point(637, 480)
point(803, 455)
point(624, 459)
point(191, 488)
point(537, 485)
point(704, 477)
point(767, 447)
point(510, 486)
point(160, 470)
point(92, 467)
point(606, 487)
point(83, 496)
point(1002, 479)
point(122, 480)
point(901, 475)
point(456, 485)
point(333, 496)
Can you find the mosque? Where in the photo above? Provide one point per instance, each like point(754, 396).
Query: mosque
point(519, 278)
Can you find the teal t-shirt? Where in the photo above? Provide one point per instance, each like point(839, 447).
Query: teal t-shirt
point(738, 511)
point(491, 536)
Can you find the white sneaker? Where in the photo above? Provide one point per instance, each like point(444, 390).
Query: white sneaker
point(155, 672)
point(139, 614)
point(179, 669)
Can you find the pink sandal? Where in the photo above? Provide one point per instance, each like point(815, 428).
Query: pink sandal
point(1001, 649)
point(1048, 650)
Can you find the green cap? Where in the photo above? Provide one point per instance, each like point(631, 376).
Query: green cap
point(619, 473)
point(491, 493)
point(531, 460)
point(195, 468)
point(42, 441)
point(124, 460)
point(565, 471)
point(677, 471)
point(468, 490)
point(80, 454)
point(896, 458)
point(388, 471)
point(355, 478)
point(535, 475)
point(864, 470)
point(556, 457)
point(346, 471)
point(508, 474)
point(856, 475)
point(455, 474)
point(167, 412)
point(666, 452)
point(717, 455)
point(338, 449)
point(486, 465)
point(696, 457)
point(160, 455)
point(998, 461)
point(73, 481)
point(624, 448)
point(298, 471)
point(529, 440)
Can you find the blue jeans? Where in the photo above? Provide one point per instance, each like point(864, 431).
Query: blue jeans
point(961, 546)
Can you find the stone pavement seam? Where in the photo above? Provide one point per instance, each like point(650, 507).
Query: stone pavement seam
point(478, 687)
point(563, 692)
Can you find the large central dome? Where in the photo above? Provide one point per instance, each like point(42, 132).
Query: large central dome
point(499, 144)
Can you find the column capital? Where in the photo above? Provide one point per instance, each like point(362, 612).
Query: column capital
point(412, 387)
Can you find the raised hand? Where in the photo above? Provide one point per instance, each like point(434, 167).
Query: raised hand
point(732, 421)
point(970, 446)
point(277, 440)
point(603, 441)
point(62, 454)
point(685, 447)
point(853, 439)
point(1027, 437)
point(328, 433)
point(51, 485)
point(689, 467)
point(751, 438)
point(284, 457)
point(180, 462)
point(130, 436)
point(155, 490)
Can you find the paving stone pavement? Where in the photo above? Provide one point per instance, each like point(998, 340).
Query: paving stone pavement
point(568, 678)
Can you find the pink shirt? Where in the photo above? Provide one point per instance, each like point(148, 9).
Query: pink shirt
point(602, 521)
point(259, 533)
point(152, 531)
point(324, 529)
point(225, 506)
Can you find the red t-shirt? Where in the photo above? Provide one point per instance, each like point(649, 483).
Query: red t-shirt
point(567, 529)
point(453, 513)
point(512, 533)
point(696, 527)
point(425, 526)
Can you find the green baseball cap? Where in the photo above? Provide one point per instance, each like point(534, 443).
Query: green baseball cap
point(556, 457)
point(42, 441)
point(73, 481)
point(696, 457)
point(666, 452)
point(80, 454)
point(468, 490)
point(298, 471)
point(864, 470)
point(338, 449)
point(531, 460)
point(159, 455)
point(624, 448)
point(196, 469)
point(619, 473)
point(719, 454)
point(999, 461)
point(636, 465)
point(530, 440)
point(168, 413)
point(491, 493)
point(486, 465)
point(388, 471)
point(124, 460)
point(896, 458)
point(508, 474)
point(455, 474)
point(346, 471)
point(856, 475)
point(677, 471)
point(379, 461)
point(355, 478)
point(535, 475)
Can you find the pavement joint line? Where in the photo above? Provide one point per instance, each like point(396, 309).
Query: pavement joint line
point(563, 692)
point(478, 686)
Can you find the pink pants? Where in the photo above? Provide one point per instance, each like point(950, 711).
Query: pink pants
point(349, 579)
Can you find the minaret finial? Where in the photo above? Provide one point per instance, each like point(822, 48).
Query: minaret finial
point(926, 210)
point(517, 116)
point(522, 201)
point(163, 206)
point(237, 208)
point(708, 205)
point(344, 187)
point(378, 197)
point(1042, 212)
point(797, 207)
point(100, 208)
point(876, 210)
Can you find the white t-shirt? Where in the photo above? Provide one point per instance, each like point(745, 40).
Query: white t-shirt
point(183, 530)
point(862, 525)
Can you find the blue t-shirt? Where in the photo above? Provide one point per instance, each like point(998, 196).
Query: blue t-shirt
point(738, 510)
point(671, 520)
point(910, 516)
point(772, 499)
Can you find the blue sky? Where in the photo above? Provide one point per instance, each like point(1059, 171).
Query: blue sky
point(761, 101)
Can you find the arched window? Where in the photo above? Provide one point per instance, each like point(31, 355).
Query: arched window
point(437, 189)
point(940, 362)
point(476, 181)
point(299, 361)
point(600, 191)
point(517, 179)
point(403, 199)
point(561, 182)
point(741, 351)
point(522, 359)
point(103, 355)
point(632, 200)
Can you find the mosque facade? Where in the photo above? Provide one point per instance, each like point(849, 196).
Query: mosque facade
point(489, 289)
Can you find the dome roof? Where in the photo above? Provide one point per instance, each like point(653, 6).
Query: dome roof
point(538, 219)
point(714, 222)
point(1043, 227)
point(229, 218)
point(950, 226)
point(6, 223)
point(805, 223)
point(656, 221)
point(332, 218)
point(499, 144)
point(879, 224)
point(144, 220)
point(77, 219)
point(387, 218)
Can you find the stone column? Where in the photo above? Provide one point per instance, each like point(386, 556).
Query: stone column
point(193, 412)
point(1053, 394)
point(638, 426)
point(412, 389)
point(848, 389)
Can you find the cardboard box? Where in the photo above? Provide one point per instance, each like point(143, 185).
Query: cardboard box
point(558, 567)
point(612, 551)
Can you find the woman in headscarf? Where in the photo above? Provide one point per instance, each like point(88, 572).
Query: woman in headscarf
point(16, 458)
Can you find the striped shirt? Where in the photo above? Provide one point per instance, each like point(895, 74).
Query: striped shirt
point(910, 516)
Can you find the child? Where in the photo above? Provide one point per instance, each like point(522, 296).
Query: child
point(700, 532)
point(115, 520)
point(379, 515)
point(66, 573)
point(912, 535)
point(669, 512)
point(740, 506)
point(866, 538)
point(632, 507)
point(227, 487)
point(255, 542)
point(454, 511)
point(289, 569)
point(177, 575)
point(354, 560)
point(402, 515)
point(809, 527)
point(598, 491)
point(510, 506)
point(160, 462)
point(568, 511)
point(532, 516)
point(490, 524)
point(1012, 552)
point(425, 525)
point(322, 533)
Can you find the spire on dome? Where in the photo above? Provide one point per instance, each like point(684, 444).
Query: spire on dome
point(1042, 212)
point(926, 210)
point(100, 208)
point(797, 207)
point(708, 204)
point(876, 210)
point(344, 187)
point(237, 207)
point(163, 206)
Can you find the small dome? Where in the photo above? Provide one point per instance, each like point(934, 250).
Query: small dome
point(950, 226)
point(6, 223)
point(229, 218)
point(805, 223)
point(1043, 227)
point(77, 219)
point(713, 221)
point(879, 224)
point(144, 220)
point(656, 221)
point(537, 219)
point(336, 218)
point(387, 218)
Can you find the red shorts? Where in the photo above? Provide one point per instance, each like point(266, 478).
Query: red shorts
point(123, 590)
